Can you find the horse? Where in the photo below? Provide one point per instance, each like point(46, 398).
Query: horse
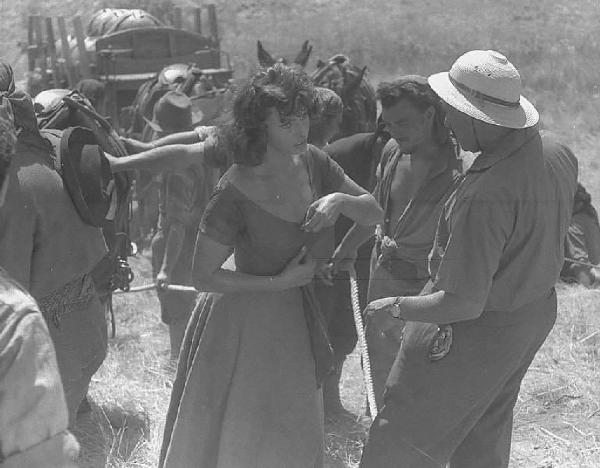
point(346, 79)
point(211, 98)
point(357, 93)
point(266, 60)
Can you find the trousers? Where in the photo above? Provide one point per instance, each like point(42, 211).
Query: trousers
point(458, 411)
point(77, 324)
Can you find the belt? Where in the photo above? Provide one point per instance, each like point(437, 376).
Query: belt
point(74, 295)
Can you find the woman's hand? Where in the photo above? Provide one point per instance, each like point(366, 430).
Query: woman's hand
point(298, 272)
point(343, 258)
point(324, 212)
point(324, 273)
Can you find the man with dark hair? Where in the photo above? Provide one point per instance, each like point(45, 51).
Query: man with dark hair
point(497, 254)
point(33, 413)
point(418, 169)
point(50, 251)
point(182, 199)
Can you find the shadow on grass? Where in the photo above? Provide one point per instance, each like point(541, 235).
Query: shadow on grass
point(110, 435)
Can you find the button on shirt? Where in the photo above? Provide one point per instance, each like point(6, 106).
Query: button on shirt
point(500, 237)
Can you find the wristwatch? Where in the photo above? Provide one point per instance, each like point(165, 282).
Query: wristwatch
point(395, 311)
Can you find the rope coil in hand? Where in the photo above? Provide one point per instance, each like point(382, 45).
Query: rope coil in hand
point(362, 342)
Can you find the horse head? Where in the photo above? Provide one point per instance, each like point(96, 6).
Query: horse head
point(353, 87)
point(265, 59)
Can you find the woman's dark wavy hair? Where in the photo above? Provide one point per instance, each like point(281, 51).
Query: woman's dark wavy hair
point(416, 90)
point(289, 90)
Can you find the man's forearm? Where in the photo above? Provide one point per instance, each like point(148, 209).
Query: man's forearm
point(438, 307)
point(363, 209)
point(173, 248)
point(181, 138)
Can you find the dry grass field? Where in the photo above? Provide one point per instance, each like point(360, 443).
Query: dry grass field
point(555, 45)
point(557, 418)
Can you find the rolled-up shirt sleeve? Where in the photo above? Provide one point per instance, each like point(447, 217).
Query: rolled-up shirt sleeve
point(471, 237)
point(33, 412)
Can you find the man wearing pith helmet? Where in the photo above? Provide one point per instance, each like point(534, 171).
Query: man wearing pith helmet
point(491, 303)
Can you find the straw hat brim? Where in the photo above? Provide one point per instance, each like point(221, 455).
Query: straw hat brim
point(523, 116)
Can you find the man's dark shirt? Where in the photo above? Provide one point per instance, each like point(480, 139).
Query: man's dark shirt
point(359, 156)
point(500, 237)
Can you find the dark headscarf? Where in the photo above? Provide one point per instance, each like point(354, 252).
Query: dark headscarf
point(20, 102)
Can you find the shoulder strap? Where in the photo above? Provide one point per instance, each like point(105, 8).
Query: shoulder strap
point(84, 137)
point(53, 136)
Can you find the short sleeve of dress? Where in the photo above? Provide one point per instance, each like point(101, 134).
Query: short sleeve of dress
point(222, 220)
point(327, 175)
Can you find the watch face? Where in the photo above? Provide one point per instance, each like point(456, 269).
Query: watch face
point(396, 308)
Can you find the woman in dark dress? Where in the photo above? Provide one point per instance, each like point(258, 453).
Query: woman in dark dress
point(247, 391)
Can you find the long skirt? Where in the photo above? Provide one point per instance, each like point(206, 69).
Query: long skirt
point(245, 394)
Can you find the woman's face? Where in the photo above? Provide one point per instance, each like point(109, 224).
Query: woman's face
point(287, 134)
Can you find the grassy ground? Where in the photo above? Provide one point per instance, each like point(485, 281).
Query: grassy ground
point(557, 418)
point(555, 45)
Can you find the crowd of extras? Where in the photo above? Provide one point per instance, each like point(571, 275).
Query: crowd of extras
point(457, 215)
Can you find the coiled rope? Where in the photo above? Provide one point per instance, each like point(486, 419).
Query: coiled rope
point(362, 342)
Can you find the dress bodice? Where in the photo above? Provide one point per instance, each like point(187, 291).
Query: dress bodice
point(264, 243)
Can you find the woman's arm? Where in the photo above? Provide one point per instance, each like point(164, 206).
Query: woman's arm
point(208, 275)
point(182, 138)
point(351, 200)
point(166, 158)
